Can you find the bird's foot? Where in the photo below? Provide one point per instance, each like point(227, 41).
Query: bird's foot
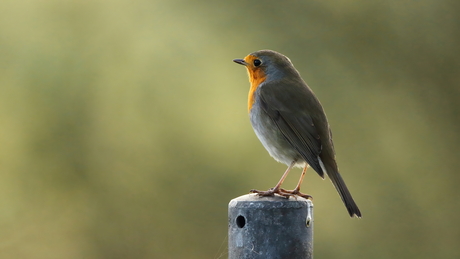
point(296, 192)
point(271, 192)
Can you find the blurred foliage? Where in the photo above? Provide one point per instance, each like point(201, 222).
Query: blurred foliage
point(124, 130)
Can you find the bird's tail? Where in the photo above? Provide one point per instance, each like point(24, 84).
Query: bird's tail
point(342, 189)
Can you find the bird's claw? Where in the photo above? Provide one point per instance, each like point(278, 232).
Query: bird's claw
point(281, 192)
point(297, 193)
point(270, 192)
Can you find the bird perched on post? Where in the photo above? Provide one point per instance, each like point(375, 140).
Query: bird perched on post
point(291, 124)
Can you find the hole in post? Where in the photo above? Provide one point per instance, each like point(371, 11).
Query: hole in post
point(307, 222)
point(240, 221)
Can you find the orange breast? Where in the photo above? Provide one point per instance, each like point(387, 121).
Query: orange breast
point(256, 77)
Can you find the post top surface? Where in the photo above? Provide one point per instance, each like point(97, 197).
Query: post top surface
point(251, 200)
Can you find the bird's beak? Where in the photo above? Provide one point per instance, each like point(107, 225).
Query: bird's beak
point(240, 61)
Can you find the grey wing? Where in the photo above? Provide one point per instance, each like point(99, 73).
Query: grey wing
point(299, 130)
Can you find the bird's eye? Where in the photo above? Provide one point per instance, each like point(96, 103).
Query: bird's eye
point(257, 62)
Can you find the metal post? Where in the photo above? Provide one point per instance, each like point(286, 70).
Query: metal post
point(270, 228)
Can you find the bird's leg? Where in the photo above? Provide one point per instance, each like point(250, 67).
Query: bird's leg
point(296, 191)
point(277, 189)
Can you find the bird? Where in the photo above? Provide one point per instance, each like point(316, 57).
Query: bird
point(291, 124)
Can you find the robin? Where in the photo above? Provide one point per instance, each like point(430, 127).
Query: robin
point(290, 122)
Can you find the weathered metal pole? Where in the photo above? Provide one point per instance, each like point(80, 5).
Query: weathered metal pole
point(270, 228)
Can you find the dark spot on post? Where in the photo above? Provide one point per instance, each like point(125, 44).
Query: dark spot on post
point(240, 221)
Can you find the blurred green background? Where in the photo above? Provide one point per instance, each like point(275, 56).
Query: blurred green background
point(124, 129)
